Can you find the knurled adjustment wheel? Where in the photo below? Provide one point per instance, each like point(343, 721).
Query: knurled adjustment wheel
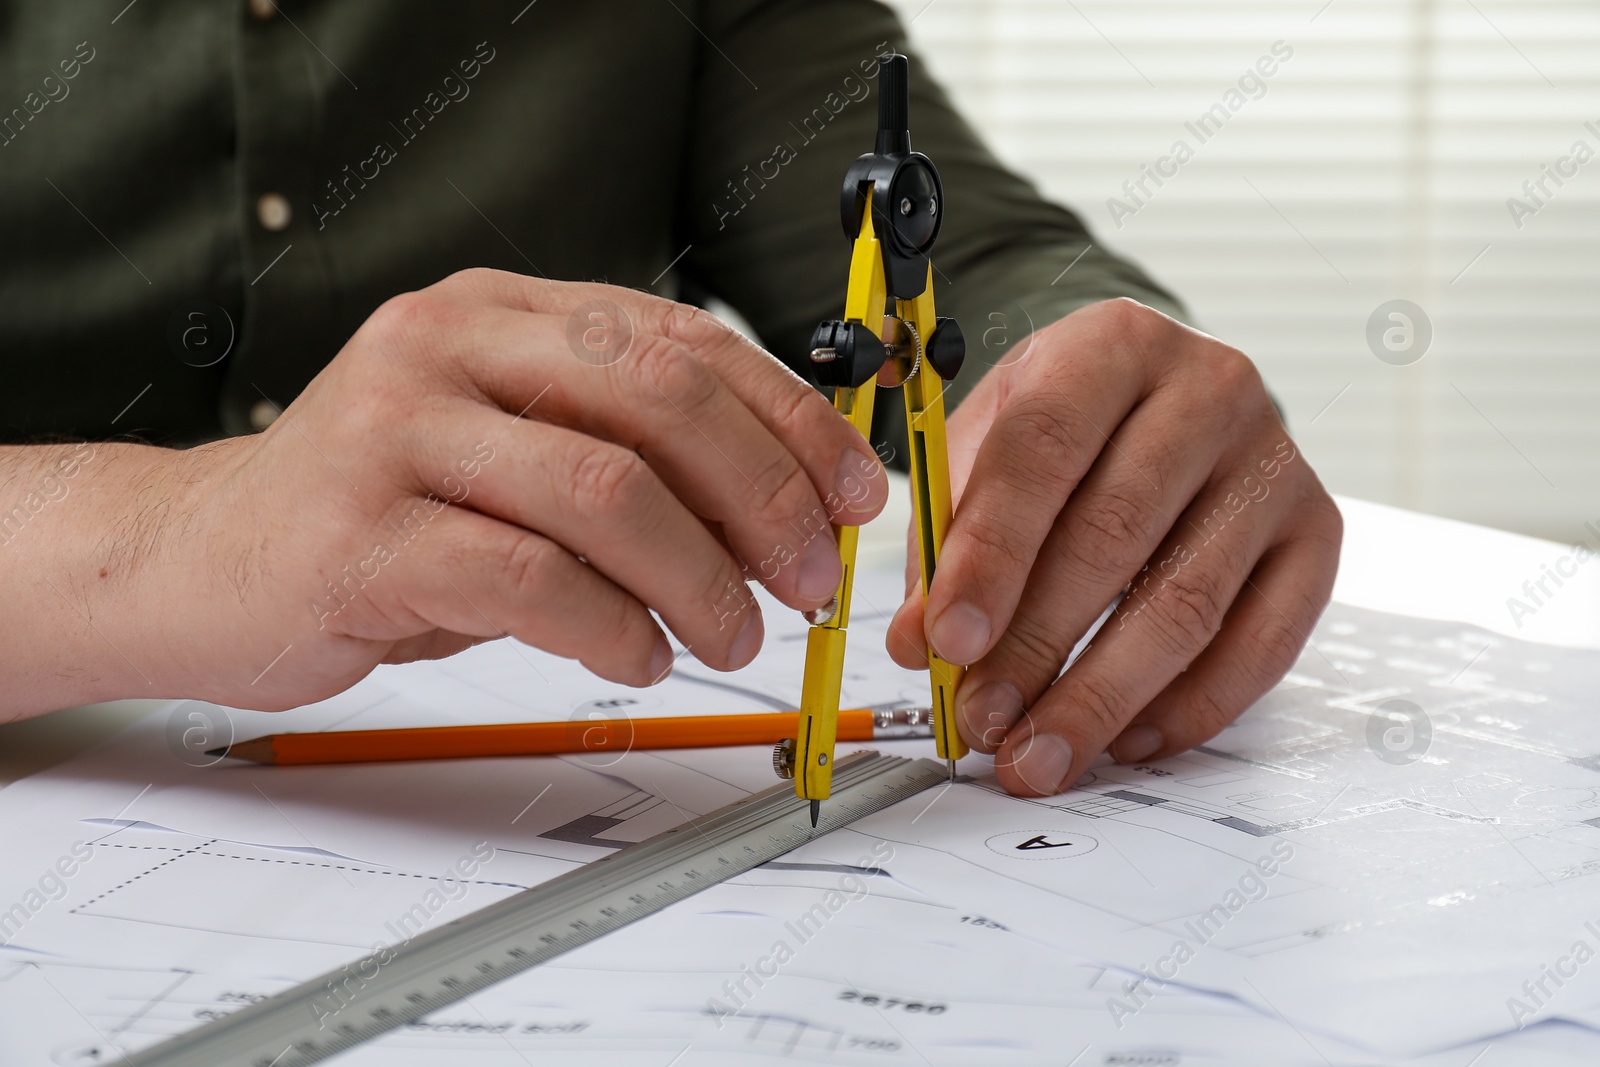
point(946, 348)
point(845, 354)
point(783, 758)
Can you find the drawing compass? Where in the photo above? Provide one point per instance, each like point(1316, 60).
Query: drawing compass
point(891, 206)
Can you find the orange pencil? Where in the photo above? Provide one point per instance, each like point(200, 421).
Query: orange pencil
point(552, 738)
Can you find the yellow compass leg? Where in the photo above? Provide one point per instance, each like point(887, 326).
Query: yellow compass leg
point(931, 505)
point(819, 692)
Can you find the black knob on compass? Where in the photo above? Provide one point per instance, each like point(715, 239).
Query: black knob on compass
point(845, 354)
point(946, 348)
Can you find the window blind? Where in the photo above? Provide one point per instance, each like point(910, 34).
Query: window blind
point(1338, 156)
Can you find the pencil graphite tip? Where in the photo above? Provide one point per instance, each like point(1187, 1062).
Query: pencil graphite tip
point(223, 751)
point(816, 809)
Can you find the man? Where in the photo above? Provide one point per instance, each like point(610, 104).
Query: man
point(216, 212)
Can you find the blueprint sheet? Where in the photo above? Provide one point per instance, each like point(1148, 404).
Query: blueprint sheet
point(1338, 878)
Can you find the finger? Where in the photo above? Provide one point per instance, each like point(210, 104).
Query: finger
point(839, 461)
point(1173, 611)
point(905, 640)
point(603, 503)
point(701, 440)
point(840, 464)
point(1261, 639)
point(1050, 432)
point(1110, 527)
point(477, 576)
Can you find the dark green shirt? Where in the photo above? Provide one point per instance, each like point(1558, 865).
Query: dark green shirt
point(200, 200)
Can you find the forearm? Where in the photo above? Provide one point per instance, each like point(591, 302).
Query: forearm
point(77, 524)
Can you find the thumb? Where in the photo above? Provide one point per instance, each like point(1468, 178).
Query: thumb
point(905, 640)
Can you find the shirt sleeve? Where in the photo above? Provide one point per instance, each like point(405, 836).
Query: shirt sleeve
point(786, 98)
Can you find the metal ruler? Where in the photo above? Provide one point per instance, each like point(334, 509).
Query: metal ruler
point(390, 988)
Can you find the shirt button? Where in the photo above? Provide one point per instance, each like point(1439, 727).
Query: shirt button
point(273, 212)
point(263, 413)
point(262, 9)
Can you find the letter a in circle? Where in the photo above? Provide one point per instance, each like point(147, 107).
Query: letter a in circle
point(1040, 842)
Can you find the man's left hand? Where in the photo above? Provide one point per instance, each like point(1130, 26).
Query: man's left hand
point(1121, 453)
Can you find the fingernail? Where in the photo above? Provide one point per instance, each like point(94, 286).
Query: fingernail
point(661, 661)
point(748, 643)
point(858, 482)
point(960, 633)
point(986, 715)
point(1042, 763)
point(819, 574)
point(1135, 743)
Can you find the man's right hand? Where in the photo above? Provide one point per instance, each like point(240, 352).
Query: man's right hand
point(491, 455)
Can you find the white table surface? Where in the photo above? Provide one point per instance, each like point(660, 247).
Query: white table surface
point(1393, 560)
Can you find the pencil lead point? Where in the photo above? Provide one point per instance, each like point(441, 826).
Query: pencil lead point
point(816, 809)
point(952, 764)
point(223, 751)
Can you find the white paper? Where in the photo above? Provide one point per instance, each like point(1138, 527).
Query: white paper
point(1415, 900)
